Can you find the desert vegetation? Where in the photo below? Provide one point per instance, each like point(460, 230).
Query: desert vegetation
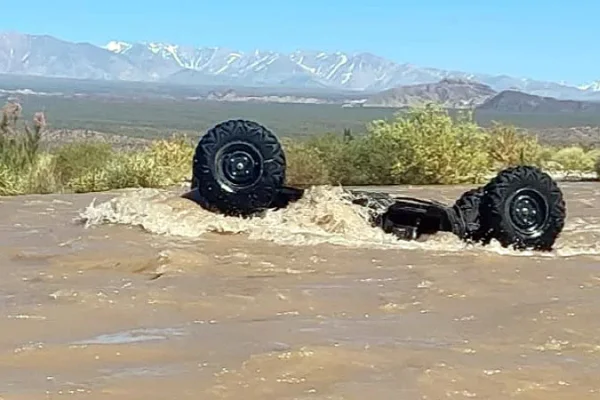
point(424, 145)
point(25, 167)
point(150, 118)
point(429, 146)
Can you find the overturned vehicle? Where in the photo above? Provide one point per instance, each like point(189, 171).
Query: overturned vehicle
point(239, 168)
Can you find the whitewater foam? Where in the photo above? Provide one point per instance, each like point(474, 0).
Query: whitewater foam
point(324, 214)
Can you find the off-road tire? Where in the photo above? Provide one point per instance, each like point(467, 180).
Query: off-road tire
point(508, 206)
point(194, 183)
point(217, 158)
point(468, 208)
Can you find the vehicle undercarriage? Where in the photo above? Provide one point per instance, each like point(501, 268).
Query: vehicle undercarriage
point(239, 169)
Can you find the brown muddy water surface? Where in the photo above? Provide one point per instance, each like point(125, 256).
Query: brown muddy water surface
point(150, 297)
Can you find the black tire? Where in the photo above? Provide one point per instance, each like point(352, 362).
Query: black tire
point(239, 167)
point(468, 208)
point(524, 208)
point(194, 183)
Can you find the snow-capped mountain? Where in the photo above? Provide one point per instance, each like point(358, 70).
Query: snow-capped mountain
point(360, 71)
point(591, 87)
point(44, 55)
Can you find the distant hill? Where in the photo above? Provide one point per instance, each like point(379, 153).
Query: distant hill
point(450, 93)
point(459, 94)
point(512, 101)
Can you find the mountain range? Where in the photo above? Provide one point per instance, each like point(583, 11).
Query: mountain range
point(47, 56)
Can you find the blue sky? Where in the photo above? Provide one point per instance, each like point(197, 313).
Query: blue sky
point(550, 39)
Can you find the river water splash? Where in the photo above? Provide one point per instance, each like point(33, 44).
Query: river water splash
point(140, 294)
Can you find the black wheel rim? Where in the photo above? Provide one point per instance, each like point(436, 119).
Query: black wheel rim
point(528, 212)
point(239, 165)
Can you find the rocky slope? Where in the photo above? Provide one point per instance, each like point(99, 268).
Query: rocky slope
point(450, 93)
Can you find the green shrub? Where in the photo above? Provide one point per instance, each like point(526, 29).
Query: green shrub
point(426, 146)
point(348, 160)
point(41, 178)
point(171, 159)
point(574, 159)
point(9, 181)
point(81, 160)
point(376, 157)
point(336, 155)
point(508, 147)
point(95, 166)
point(166, 162)
point(305, 165)
point(594, 155)
point(19, 150)
point(546, 155)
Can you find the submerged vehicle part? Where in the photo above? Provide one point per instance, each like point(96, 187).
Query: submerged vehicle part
point(239, 168)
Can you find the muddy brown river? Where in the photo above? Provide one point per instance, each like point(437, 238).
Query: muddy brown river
point(147, 296)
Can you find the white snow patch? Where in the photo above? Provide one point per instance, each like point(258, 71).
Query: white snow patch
point(592, 87)
point(117, 46)
point(343, 60)
point(154, 47)
point(346, 77)
point(257, 63)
